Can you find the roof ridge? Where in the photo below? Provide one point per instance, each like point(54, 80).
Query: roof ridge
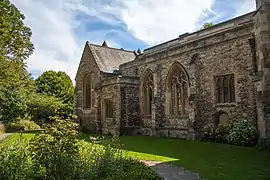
point(110, 48)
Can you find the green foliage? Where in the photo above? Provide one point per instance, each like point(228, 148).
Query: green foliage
point(12, 104)
point(56, 154)
point(207, 25)
point(133, 169)
point(15, 87)
point(22, 125)
point(104, 160)
point(215, 134)
point(56, 150)
point(15, 162)
point(238, 132)
point(56, 84)
point(15, 40)
point(243, 132)
point(42, 107)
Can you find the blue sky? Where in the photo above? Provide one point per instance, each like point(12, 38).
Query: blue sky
point(61, 27)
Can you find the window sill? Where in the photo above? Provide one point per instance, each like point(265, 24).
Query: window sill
point(234, 104)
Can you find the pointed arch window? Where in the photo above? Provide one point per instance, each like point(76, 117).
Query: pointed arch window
point(225, 90)
point(147, 94)
point(177, 87)
point(87, 92)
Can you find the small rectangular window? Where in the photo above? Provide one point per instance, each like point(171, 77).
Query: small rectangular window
point(108, 108)
point(225, 89)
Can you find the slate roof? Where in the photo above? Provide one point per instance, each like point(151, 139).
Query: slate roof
point(108, 59)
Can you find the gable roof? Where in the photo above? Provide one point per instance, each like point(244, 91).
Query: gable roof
point(108, 59)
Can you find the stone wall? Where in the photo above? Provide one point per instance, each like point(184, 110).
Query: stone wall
point(130, 107)
point(204, 55)
point(110, 90)
point(262, 83)
point(123, 91)
point(89, 118)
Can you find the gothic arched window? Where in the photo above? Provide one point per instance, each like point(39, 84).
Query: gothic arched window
point(87, 92)
point(177, 91)
point(147, 94)
point(225, 92)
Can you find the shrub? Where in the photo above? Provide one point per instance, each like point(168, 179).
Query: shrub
point(122, 169)
point(56, 150)
point(22, 125)
point(57, 154)
point(15, 162)
point(243, 133)
point(12, 104)
point(42, 107)
point(209, 133)
point(215, 134)
point(109, 162)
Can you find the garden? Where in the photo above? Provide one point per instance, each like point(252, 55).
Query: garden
point(46, 152)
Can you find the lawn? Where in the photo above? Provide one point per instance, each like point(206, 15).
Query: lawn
point(212, 161)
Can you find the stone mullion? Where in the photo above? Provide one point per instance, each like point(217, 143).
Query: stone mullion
point(147, 101)
point(174, 100)
point(182, 99)
point(229, 90)
point(153, 104)
point(222, 100)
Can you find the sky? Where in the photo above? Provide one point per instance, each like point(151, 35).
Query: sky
point(61, 27)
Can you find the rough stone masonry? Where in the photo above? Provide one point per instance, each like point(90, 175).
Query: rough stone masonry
point(215, 75)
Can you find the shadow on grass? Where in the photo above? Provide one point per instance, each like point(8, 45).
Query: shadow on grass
point(211, 160)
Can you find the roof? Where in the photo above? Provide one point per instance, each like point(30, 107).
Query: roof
point(108, 59)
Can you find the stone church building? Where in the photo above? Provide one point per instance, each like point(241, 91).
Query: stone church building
point(215, 75)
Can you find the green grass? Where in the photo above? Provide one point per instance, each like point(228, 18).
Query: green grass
point(212, 161)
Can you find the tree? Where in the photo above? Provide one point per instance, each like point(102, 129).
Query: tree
point(15, 87)
point(15, 47)
point(207, 25)
point(56, 84)
point(15, 41)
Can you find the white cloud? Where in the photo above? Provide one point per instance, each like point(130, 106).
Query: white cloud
point(57, 47)
point(161, 20)
point(55, 43)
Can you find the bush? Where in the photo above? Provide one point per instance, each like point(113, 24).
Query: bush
point(215, 134)
point(57, 154)
point(238, 132)
point(22, 125)
point(111, 163)
point(42, 107)
point(122, 169)
point(243, 133)
point(56, 150)
point(12, 104)
point(15, 162)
